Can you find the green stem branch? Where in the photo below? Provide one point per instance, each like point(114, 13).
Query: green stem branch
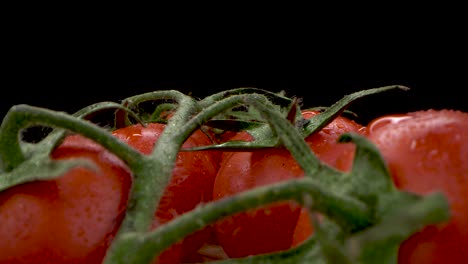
point(274, 97)
point(21, 116)
point(293, 255)
point(324, 118)
point(292, 140)
point(339, 208)
point(153, 175)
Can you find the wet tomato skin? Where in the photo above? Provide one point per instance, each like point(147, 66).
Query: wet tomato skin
point(281, 225)
point(74, 218)
point(427, 151)
point(71, 219)
point(191, 183)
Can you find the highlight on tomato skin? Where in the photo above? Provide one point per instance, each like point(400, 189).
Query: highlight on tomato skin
point(282, 225)
point(71, 219)
point(426, 151)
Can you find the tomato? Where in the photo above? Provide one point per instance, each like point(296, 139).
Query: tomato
point(71, 219)
point(427, 151)
point(191, 183)
point(281, 225)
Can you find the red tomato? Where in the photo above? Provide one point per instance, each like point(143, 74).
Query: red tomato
point(191, 182)
point(273, 227)
point(71, 219)
point(427, 151)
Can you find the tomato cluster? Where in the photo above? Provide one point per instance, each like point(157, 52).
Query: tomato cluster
point(75, 217)
point(277, 227)
point(425, 152)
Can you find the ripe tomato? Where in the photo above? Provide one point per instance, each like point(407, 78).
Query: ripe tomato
point(71, 219)
point(427, 151)
point(282, 225)
point(191, 183)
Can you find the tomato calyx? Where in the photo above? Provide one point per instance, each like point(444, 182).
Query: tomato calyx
point(251, 121)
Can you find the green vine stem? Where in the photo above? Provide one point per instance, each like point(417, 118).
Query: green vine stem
point(36, 156)
point(164, 153)
point(153, 175)
point(53, 138)
point(319, 121)
point(154, 242)
point(291, 140)
point(211, 111)
point(273, 97)
point(379, 243)
point(356, 209)
point(293, 255)
point(156, 116)
point(148, 186)
point(288, 135)
point(133, 101)
point(21, 116)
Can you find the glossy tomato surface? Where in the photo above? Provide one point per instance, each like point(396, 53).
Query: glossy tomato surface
point(427, 151)
point(282, 225)
point(71, 219)
point(191, 183)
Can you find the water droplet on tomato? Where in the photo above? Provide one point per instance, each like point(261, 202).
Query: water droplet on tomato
point(237, 230)
point(413, 144)
point(433, 152)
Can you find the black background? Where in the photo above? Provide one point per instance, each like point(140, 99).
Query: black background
point(67, 60)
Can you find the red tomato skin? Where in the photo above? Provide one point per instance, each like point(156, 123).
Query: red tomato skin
point(427, 151)
point(71, 219)
point(303, 229)
point(273, 228)
point(191, 183)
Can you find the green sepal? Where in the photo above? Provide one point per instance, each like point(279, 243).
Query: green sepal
point(321, 120)
point(276, 98)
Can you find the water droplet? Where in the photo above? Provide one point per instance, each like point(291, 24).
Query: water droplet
point(433, 152)
point(413, 144)
point(237, 230)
